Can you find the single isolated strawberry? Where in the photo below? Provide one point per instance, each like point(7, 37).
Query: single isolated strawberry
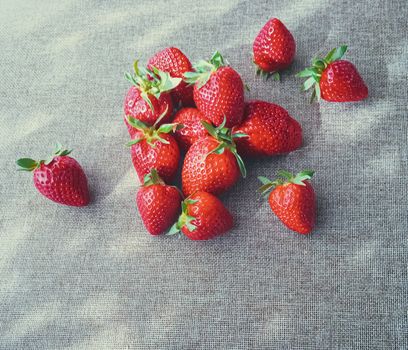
point(192, 130)
point(149, 95)
point(153, 147)
point(334, 79)
point(218, 91)
point(274, 49)
point(270, 130)
point(203, 217)
point(158, 204)
point(212, 164)
point(173, 61)
point(292, 199)
point(59, 178)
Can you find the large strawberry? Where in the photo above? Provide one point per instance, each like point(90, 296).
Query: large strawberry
point(333, 79)
point(274, 48)
point(270, 130)
point(149, 96)
point(59, 178)
point(192, 129)
point(153, 147)
point(218, 91)
point(176, 63)
point(203, 217)
point(158, 203)
point(212, 164)
point(292, 199)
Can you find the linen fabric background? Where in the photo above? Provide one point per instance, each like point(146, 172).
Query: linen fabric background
point(92, 278)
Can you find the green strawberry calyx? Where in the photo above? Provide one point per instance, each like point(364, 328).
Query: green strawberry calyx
point(184, 219)
point(28, 164)
point(151, 82)
point(225, 137)
point(284, 178)
point(152, 178)
point(265, 74)
point(203, 70)
point(314, 73)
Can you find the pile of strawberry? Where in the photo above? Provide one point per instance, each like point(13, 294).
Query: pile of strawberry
point(176, 108)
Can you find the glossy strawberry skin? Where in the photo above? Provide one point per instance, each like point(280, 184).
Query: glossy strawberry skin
point(222, 95)
point(63, 181)
point(192, 129)
point(212, 219)
point(138, 108)
point(173, 61)
point(213, 173)
point(270, 129)
point(163, 157)
point(341, 82)
point(274, 47)
point(295, 206)
point(159, 207)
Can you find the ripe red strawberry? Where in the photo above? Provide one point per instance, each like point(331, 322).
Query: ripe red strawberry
point(158, 203)
point(270, 129)
point(292, 199)
point(333, 79)
point(192, 129)
point(218, 91)
point(176, 63)
point(149, 96)
point(59, 178)
point(153, 147)
point(274, 48)
point(203, 217)
point(212, 164)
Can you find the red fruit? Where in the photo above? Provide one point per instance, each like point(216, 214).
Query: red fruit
point(192, 129)
point(218, 91)
point(333, 79)
point(60, 178)
point(212, 164)
point(292, 200)
point(176, 63)
point(153, 147)
point(158, 204)
point(203, 217)
point(270, 130)
point(274, 48)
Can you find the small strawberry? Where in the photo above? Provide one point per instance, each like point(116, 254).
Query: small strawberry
point(59, 178)
point(153, 147)
point(270, 130)
point(212, 164)
point(192, 130)
point(274, 49)
point(218, 91)
point(203, 217)
point(292, 199)
point(149, 96)
point(158, 203)
point(333, 79)
point(176, 63)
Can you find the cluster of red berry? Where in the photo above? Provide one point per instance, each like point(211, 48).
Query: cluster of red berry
point(174, 107)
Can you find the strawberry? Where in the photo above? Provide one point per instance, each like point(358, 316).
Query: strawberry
point(59, 178)
point(218, 91)
point(192, 129)
point(203, 217)
point(333, 79)
point(292, 199)
point(270, 130)
point(176, 63)
point(212, 164)
point(158, 203)
point(274, 49)
point(148, 98)
point(153, 147)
